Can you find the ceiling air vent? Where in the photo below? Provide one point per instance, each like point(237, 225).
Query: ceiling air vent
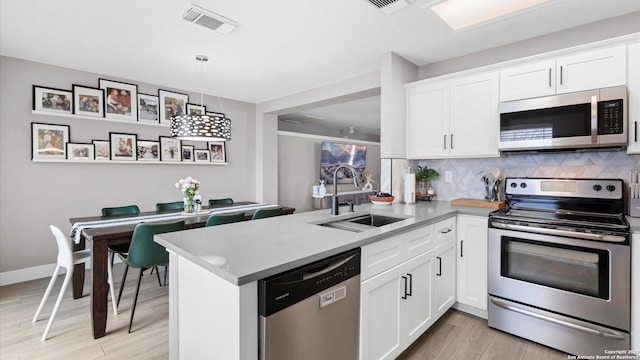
point(390, 6)
point(198, 15)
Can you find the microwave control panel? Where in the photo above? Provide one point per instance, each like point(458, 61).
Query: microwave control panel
point(610, 117)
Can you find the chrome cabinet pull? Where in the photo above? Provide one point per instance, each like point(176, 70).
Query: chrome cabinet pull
point(561, 75)
point(451, 142)
point(445, 141)
point(439, 273)
point(549, 77)
point(461, 247)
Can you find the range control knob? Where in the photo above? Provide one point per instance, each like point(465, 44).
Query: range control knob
point(514, 185)
point(597, 187)
point(523, 185)
point(611, 188)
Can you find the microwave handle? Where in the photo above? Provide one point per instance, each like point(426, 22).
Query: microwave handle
point(594, 119)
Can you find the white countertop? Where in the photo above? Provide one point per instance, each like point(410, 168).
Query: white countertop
point(251, 250)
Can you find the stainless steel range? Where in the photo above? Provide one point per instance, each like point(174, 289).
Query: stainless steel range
point(560, 264)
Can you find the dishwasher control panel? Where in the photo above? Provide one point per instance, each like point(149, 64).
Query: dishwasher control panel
point(280, 291)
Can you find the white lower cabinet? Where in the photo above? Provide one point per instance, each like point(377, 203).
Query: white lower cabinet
point(400, 288)
point(472, 261)
point(445, 272)
point(396, 308)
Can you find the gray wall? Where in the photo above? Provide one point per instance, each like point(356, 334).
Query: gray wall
point(299, 168)
point(34, 195)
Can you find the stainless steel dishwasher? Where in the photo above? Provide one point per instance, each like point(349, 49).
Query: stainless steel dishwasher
point(312, 312)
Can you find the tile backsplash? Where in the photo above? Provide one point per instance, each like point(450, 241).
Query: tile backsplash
point(467, 172)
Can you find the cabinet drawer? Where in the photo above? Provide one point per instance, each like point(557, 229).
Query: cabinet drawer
point(416, 242)
point(380, 256)
point(387, 253)
point(445, 230)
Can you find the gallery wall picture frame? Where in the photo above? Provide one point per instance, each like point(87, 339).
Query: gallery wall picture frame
point(187, 153)
point(170, 149)
point(52, 99)
point(201, 156)
point(218, 151)
point(123, 146)
point(148, 106)
point(102, 149)
point(88, 101)
point(148, 150)
point(194, 109)
point(49, 141)
point(120, 100)
point(171, 103)
point(80, 151)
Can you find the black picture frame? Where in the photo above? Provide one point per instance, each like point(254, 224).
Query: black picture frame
point(171, 103)
point(52, 100)
point(49, 141)
point(148, 108)
point(120, 100)
point(80, 151)
point(170, 149)
point(123, 146)
point(88, 101)
point(148, 150)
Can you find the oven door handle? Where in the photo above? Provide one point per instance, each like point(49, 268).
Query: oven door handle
point(546, 231)
point(609, 335)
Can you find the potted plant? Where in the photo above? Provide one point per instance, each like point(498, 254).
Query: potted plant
point(424, 175)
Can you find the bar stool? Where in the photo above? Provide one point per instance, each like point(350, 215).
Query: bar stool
point(67, 258)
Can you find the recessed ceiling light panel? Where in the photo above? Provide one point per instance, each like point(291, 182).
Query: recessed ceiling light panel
point(460, 14)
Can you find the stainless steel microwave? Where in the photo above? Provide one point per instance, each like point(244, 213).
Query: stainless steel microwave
point(580, 120)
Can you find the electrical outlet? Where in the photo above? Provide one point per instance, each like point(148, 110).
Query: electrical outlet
point(448, 176)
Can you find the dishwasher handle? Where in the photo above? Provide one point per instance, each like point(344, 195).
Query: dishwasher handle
point(325, 269)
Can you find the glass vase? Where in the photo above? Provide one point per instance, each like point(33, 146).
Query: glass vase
point(421, 187)
point(189, 205)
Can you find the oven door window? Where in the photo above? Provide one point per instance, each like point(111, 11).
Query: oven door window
point(551, 123)
point(576, 269)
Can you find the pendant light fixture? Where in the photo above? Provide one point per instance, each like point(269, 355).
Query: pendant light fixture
point(201, 127)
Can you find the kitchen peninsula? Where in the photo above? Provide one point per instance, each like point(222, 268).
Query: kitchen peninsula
point(215, 270)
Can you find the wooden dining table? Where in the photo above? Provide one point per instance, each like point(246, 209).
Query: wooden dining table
point(100, 238)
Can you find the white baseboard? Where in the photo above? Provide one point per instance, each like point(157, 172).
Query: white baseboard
point(471, 310)
point(33, 273)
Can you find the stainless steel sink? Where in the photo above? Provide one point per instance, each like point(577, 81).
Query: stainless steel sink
point(362, 222)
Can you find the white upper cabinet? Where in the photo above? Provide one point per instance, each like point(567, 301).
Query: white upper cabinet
point(633, 96)
point(453, 118)
point(528, 81)
point(584, 71)
point(428, 120)
point(592, 70)
point(474, 116)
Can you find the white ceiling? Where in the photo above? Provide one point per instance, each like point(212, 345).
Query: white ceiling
point(281, 47)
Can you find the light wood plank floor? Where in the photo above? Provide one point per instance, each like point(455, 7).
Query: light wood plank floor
point(455, 336)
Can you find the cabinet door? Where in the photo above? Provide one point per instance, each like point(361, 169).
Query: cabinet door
point(472, 261)
point(592, 70)
point(417, 308)
point(474, 116)
point(380, 316)
point(428, 120)
point(445, 275)
point(633, 96)
point(528, 81)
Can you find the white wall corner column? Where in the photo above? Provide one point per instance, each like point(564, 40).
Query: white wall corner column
point(266, 157)
point(395, 73)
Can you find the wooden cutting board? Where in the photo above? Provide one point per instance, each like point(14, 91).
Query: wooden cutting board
point(478, 203)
